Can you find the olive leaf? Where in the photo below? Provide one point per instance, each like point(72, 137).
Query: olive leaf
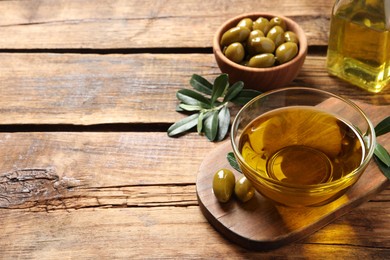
point(211, 126)
point(201, 84)
point(202, 116)
point(382, 154)
point(383, 127)
point(186, 107)
point(199, 126)
point(210, 103)
point(191, 97)
point(233, 162)
point(382, 166)
point(224, 122)
point(220, 85)
point(183, 125)
point(233, 91)
point(178, 108)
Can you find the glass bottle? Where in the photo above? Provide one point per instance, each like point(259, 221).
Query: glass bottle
point(359, 43)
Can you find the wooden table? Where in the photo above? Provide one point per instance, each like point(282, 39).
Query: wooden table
point(87, 94)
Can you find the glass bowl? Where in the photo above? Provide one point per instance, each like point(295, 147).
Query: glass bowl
point(302, 146)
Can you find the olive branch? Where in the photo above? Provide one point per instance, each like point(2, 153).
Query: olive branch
point(210, 105)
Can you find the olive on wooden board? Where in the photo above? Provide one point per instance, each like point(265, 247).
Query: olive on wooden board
point(243, 189)
point(286, 52)
point(223, 185)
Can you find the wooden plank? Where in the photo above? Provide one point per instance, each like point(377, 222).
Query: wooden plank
point(135, 88)
point(102, 24)
point(174, 232)
point(354, 224)
point(45, 171)
point(93, 89)
point(102, 159)
point(133, 195)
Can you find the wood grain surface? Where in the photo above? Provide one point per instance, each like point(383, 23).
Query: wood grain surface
point(116, 24)
point(87, 94)
point(93, 89)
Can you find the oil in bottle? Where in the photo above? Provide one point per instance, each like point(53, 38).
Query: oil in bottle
point(359, 43)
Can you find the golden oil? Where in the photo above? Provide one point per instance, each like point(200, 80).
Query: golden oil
point(359, 43)
point(301, 146)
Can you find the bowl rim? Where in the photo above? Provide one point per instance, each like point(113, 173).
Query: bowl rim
point(363, 164)
point(302, 45)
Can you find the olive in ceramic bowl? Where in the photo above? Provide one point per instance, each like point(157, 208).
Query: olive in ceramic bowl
point(255, 28)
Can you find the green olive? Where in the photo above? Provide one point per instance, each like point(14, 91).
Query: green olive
point(286, 52)
point(254, 34)
point(243, 189)
point(290, 36)
point(235, 34)
point(262, 24)
point(261, 45)
point(278, 21)
point(276, 34)
point(223, 185)
point(264, 60)
point(235, 52)
point(246, 22)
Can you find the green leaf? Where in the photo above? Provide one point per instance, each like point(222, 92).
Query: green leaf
point(383, 127)
point(382, 154)
point(211, 126)
point(224, 122)
point(385, 169)
point(203, 115)
point(199, 126)
point(233, 162)
point(245, 96)
point(190, 107)
point(212, 115)
point(183, 125)
point(201, 84)
point(233, 91)
point(220, 85)
point(179, 109)
point(191, 97)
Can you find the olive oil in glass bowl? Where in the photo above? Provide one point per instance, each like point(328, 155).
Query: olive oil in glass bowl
point(359, 43)
point(302, 146)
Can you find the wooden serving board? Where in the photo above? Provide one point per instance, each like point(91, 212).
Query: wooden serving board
point(262, 225)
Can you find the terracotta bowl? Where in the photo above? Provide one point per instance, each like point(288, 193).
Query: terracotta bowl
point(262, 79)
